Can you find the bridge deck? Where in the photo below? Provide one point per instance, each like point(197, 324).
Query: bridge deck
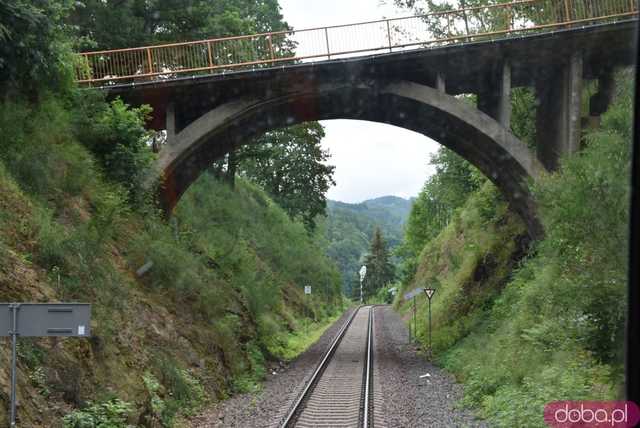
point(466, 66)
point(288, 48)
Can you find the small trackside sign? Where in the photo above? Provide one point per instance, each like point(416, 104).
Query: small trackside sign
point(429, 292)
point(47, 319)
point(307, 289)
point(411, 294)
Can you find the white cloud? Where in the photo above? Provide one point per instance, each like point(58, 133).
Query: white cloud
point(375, 159)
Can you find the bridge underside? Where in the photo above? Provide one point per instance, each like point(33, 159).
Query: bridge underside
point(452, 122)
point(208, 116)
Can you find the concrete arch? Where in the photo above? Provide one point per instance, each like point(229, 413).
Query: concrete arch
point(452, 122)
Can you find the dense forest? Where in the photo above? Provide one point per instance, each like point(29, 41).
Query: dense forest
point(350, 229)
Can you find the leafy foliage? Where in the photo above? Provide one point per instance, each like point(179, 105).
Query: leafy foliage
point(291, 166)
point(116, 24)
point(444, 192)
point(108, 414)
point(70, 167)
point(34, 52)
point(585, 212)
point(116, 134)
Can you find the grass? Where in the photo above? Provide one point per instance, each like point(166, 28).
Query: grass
point(301, 340)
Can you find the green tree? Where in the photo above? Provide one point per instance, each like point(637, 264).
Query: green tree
point(116, 135)
point(113, 24)
point(291, 166)
point(454, 180)
point(34, 52)
point(380, 270)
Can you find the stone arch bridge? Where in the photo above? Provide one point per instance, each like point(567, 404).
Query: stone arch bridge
point(208, 116)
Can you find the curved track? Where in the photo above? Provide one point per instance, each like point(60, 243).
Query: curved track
point(339, 394)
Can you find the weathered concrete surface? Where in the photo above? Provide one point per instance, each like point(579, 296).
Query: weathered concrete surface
point(559, 111)
point(206, 116)
point(453, 122)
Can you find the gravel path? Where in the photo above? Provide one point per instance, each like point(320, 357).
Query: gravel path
point(266, 408)
point(408, 400)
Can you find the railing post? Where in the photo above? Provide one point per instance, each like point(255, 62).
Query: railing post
point(389, 36)
point(209, 53)
point(273, 56)
point(326, 37)
point(509, 17)
point(567, 10)
point(149, 62)
point(87, 66)
point(466, 21)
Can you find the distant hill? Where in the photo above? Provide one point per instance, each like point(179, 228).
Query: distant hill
point(350, 228)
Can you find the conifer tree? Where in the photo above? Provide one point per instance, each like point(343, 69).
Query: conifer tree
point(380, 270)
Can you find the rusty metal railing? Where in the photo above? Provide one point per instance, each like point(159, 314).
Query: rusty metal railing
point(211, 56)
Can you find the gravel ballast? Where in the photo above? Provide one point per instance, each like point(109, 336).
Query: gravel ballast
point(408, 399)
point(402, 398)
point(266, 407)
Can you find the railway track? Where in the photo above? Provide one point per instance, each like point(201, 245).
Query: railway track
point(340, 391)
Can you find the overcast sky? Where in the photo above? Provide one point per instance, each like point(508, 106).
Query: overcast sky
point(371, 159)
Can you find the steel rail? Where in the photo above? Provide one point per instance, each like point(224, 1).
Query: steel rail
point(167, 61)
point(290, 416)
point(297, 408)
point(369, 368)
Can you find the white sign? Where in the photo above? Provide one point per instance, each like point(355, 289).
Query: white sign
point(307, 289)
point(363, 273)
point(429, 292)
point(412, 294)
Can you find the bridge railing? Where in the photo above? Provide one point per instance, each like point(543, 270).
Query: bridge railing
point(162, 62)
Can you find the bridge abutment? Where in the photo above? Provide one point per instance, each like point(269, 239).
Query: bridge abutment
point(558, 119)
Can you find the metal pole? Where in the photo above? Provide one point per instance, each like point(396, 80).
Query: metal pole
point(430, 330)
point(14, 341)
point(415, 327)
point(361, 290)
point(326, 37)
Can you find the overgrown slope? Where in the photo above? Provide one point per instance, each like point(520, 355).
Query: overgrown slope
point(223, 291)
point(522, 332)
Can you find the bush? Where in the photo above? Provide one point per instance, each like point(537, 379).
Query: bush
point(116, 134)
point(108, 414)
point(177, 392)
